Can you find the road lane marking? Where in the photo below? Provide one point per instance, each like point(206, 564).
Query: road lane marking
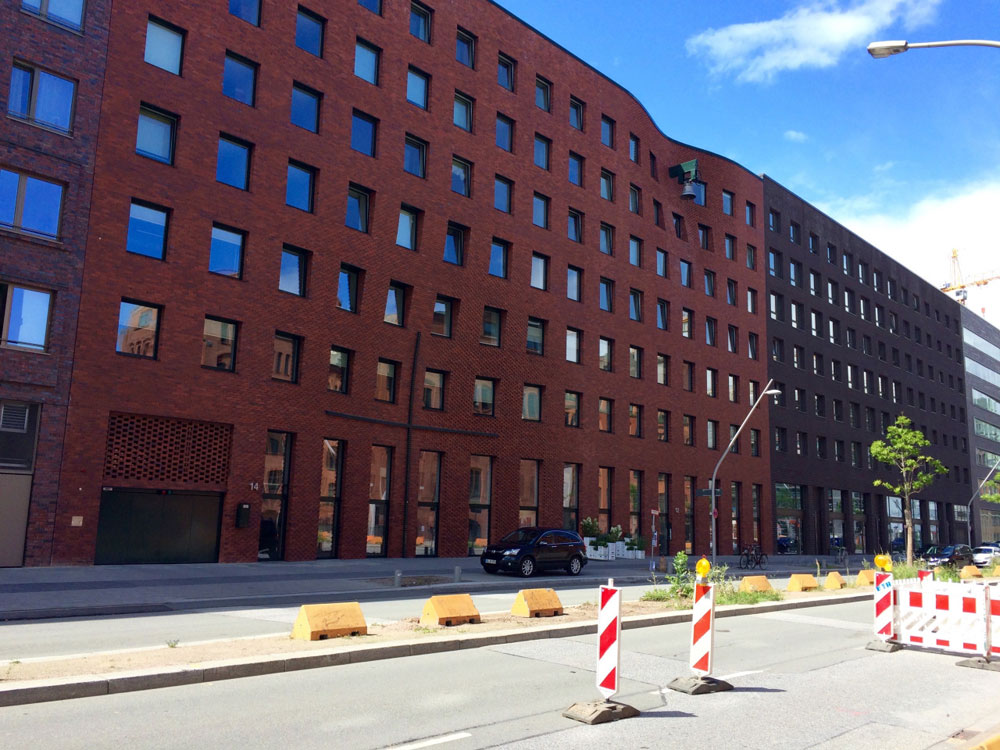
point(828, 622)
point(432, 741)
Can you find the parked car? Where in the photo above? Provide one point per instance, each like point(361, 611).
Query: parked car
point(531, 549)
point(958, 555)
point(983, 556)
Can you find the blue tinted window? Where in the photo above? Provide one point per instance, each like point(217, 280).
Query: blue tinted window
point(226, 254)
point(248, 10)
point(147, 230)
point(239, 79)
point(363, 134)
point(299, 190)
point(292, 276)
point(309, 32)
point(305, 108)
point(233, 166)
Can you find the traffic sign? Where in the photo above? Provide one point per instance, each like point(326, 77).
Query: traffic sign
point(708, 493)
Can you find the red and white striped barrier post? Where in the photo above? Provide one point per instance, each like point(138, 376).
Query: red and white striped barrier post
point(609, 630)
point(702, 638)
point(885, 607)
point(925, 575)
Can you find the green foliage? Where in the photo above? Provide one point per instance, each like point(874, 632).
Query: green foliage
point(902, 450)
point(729, 594)
point(614, 533)
point(172, 643)
point(681, 580)
point(590, 527)
point(947, 573)
point(990, 491)
point(904, 570)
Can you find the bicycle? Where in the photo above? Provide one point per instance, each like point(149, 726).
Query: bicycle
point(752, 557)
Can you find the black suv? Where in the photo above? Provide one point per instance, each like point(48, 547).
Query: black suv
point(530, 549)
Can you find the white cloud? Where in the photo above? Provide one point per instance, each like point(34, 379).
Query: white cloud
point(796, 136)
point(922, 239)
point(813, 35)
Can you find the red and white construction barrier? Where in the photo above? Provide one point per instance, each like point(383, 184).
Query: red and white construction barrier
point(994, 631)
point(609, 630)
point(703, 629)
point(884, 609)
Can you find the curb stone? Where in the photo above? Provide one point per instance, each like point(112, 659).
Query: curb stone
point(83, 686)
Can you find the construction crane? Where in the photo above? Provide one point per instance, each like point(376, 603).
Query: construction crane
point(959, 285)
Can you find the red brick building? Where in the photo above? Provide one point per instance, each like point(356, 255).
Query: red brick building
point(54, 63)
point(390, 279)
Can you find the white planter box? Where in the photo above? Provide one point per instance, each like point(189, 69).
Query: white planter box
point(611, 552)
point(597, 553)
point(640, 554)
point(630, 554)
point(619, 549)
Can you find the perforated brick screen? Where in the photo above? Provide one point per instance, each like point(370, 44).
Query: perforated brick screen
point(158, 449)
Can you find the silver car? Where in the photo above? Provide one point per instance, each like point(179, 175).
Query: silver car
point(984, 556)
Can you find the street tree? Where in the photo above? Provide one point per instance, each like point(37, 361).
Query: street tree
point(901, 449)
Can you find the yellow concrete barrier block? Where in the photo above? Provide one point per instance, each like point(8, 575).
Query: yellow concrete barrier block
point(866, 577)
point(450, 609)
point(834, 581)
point(755, 583)
point(537, 603)
point(317, 622)
point(970, 571)
point(802, 582)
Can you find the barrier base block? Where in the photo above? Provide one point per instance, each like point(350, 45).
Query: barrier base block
point(698, 685)
point(599, 712)
point(886, 647)
point(979, 662)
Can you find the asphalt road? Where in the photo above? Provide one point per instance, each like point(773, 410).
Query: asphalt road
point(802, 679)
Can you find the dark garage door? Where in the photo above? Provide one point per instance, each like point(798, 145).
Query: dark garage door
point(151, 527)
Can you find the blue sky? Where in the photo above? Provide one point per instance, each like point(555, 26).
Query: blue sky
point(904, 151)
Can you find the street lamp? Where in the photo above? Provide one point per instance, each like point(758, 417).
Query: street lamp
point(768, 391)
point(879, 50)
point(974, 494)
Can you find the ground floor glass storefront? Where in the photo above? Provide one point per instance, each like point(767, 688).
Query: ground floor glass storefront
point(788, 506)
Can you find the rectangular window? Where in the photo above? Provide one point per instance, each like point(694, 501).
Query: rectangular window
point(347, 288)
point(635, 251)
point(502, 191)
point(414, 156)
point(607, 131)
point(686, 275)
point(635, 305)
point(498, 258)
point(248, 10)
point(465, 48)
point(573, 339)
point(366, 60)
point(340, 363)
point(385, 381)
point(461, 176)
point(305, 113)
point(42, 97)
point(543, 94)
point(687, 323)
point(420, 22)
point(711, 329)
point(164, 45)
point(575, 168)
point(528, 492)
point(574, 226)
point(406, 230)
point(634, 199)
point(607, 239)
point(688, 429)
point(531, 403)
point(416, 87)
point(379, 484)
point(574, 283)
point(505, 71)
point(663, 369)
point(395, 304)
point(505, 133)
point(239, 78)
point(300, 186)
point(662, 314)
point(536, 336)
point(662, 262)
point(607, 185)
point(491, 327)
point(155, 134)
point(286, 357)
point(433, 389)
point(358, 202)
point(572, 409)
point(233, 162)
point(309, 29)
point(226, 252)
point(605, 407)
point(292, 276)
point(607, 294)
point(605, 351)
point(634, 362)
point(635, 420)
point(454, 244)
point(26, 315)
point(218, 344)
point(540, 211)
point(363, 130)
point(461, 115)
point(576, 113)
point(539, 271)
point(441, 319)
point(63, 12)
point(147, 230)
point(482, 397)
point(542, 147)
point(709, 283)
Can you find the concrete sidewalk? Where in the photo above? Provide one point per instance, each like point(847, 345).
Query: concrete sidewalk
point(39, 593)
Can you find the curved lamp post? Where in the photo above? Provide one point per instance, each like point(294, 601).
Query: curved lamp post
point(768, 391)
point(879, 50)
